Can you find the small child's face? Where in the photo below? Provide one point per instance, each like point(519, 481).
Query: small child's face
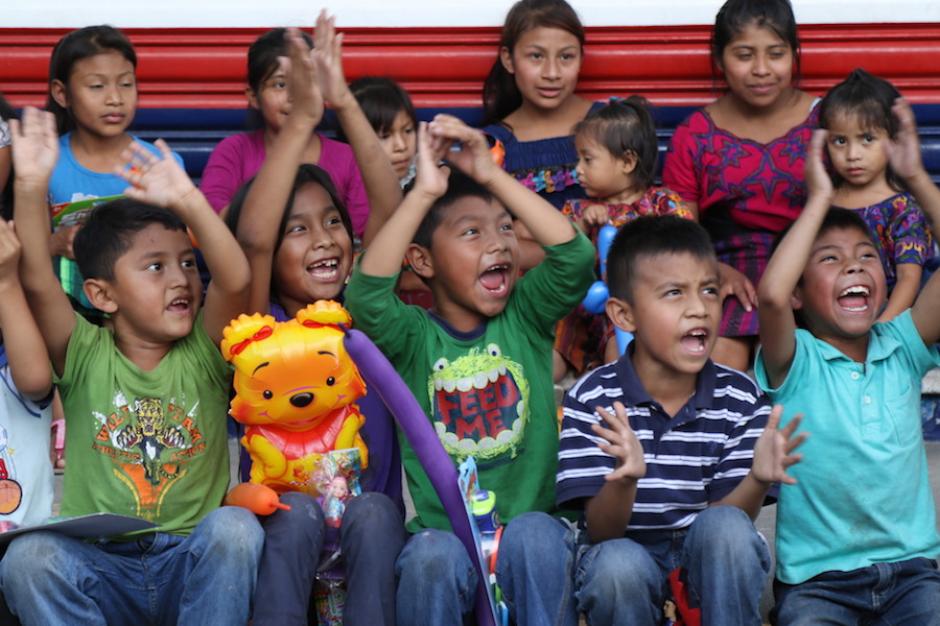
point(842, 291)
point(400, 143)
point(674, 314)
point(101, 94)
point(339, 488)
point(474, 253)
point(315, 256)
point(600, 173)
point(758, 66)
point(155, 293)
point(857, 153)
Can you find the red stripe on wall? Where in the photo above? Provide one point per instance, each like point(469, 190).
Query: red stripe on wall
point(445, 67)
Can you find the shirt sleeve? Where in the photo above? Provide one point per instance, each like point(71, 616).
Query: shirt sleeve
point(680, 170)
point(738, 452)
point(921, 358)
point(221, 176)
point(909, 232)
point(668, 202)
point(208, 354)
point(582, 465)
point(81, 349)
point(395, 327)
point(550, 290)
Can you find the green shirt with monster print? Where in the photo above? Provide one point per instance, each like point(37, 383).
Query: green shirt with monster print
point(488, 392)
point(146, 444)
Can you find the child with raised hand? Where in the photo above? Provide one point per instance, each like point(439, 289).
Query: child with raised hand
point(392, 116)
point(93, 94)
point(145, 399)
point(298, 240)
point(857, 114)
point(617, 153)
point(852, 546)
point(669, 454)
point(489, 327)
point(239, 157)
point(738, 163)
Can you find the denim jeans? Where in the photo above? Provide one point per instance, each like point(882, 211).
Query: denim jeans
point(372, 535)
point(726, 564)
point(205, 578)
point(437, 581)
point(883, 594)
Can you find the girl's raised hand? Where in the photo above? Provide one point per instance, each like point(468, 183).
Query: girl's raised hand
point(431, 177)
point(773, 452)
point(473, 156)
point(302, 80)
point(328, 56)
point(904, 152)
point(159, 181)
point(818, 182)
point(35, 146)
point(621, 443)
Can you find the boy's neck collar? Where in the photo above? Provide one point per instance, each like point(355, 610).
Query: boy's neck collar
point(635, 392)
point(461, 335)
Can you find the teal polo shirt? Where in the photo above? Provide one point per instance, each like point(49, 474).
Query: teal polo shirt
point(862, 495)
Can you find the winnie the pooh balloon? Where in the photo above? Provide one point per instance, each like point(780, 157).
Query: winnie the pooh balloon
point(296, 389)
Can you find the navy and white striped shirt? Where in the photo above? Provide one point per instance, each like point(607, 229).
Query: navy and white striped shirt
point(697, 457)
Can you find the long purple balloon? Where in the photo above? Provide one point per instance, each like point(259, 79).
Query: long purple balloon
point(382, 378)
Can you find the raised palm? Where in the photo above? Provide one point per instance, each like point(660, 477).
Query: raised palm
point(35, 145)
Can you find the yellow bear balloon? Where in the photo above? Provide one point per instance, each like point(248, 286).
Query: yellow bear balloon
point(296, 388)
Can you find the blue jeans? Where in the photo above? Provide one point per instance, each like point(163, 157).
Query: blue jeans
point(437, 581)
point(726, 564)
point(884, 594)
point(205, 578)
point(372, 535)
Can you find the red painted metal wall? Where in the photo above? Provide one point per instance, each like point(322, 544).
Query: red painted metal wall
point(445, 67)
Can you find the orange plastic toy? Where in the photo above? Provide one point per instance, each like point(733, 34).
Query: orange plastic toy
point(296, 388)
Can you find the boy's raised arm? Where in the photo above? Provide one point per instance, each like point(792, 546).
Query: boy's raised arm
point(26, 353)
point(383, 257)
point(547, 225)
point(378, 176)
point(905, 160)
point(35, 152)
point(777, 322)
point(162, 182)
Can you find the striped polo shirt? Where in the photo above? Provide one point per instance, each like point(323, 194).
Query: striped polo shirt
point(697, 457)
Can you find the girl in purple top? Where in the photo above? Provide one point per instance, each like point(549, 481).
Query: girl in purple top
point(857, 114)
point(239, 157)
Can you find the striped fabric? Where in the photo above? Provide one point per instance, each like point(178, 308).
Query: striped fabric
point(697, 457)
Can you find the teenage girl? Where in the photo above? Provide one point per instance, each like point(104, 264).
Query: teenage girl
point(239, 157)
point(617, 154)
point(392, 116)
point(93, 94)
point(738, 162)
point(857, 114)
point(298, 238)
point(529, 103)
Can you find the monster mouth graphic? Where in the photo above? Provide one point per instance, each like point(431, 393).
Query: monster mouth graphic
point(477, 381)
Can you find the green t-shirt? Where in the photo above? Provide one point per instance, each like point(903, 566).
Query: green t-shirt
point(488, 393)
point(147, 444)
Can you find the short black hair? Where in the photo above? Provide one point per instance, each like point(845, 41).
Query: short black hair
point(307, 173)
point(108, 232)
point(652, 236)
point(624, 126)
point(459, 185)
point(381, 100)
point(836, 218)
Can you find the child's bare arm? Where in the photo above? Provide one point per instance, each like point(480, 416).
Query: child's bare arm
point(608, 513)
point(384, 256)
point(35, 152)
point(905, 159)
point(378, 176)
point(25, 350)
point(261, 212)
point(905, 291)
point(777, 323)
point(547, 224)
point(162, 182)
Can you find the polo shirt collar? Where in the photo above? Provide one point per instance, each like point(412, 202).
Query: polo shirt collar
point(634, 393)
point(880, 346)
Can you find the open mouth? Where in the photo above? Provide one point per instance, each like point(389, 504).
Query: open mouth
point(179, 305)
point(326, 270)
point(495, 279)
point(695, 341)
point(854, 299)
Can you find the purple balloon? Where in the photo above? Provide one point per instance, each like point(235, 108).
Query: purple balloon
point(382, 378)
